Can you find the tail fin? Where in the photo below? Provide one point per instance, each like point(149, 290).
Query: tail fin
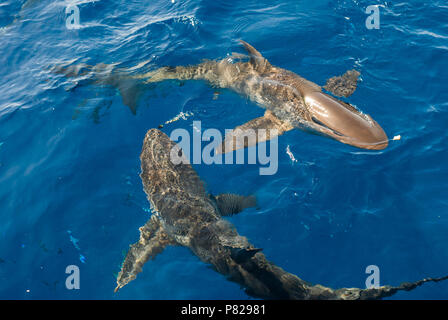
point(153, 240)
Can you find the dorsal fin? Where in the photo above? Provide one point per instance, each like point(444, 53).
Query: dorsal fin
point(251, 50)
point(259, 63)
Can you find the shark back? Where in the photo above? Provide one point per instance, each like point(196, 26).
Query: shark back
point(175, 191)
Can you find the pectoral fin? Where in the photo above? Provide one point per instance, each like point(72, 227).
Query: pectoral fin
point(129, 86)
point(369, 293)
point(259, 62)
point(343, 86)
point(153, 240)
point(248, 134)
point(230, 204)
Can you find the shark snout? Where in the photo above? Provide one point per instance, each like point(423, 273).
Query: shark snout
point(334, 119)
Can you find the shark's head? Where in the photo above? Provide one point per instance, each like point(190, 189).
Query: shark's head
point(343, 122)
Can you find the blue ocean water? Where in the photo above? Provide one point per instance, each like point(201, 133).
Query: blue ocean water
point(70, 191)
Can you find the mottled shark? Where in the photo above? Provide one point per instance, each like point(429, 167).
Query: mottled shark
point(184, 214)
point(290, 100)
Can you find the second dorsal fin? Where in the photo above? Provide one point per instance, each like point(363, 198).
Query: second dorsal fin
point(343, 86)
point(260, 63)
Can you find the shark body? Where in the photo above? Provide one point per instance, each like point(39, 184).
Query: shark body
point(185, 215)
point(290, 100)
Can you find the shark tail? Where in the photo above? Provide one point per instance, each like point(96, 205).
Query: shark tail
point(263, 279)
point(230, 254)
point(206, 70)
point(130, 88)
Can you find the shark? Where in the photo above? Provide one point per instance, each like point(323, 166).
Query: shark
point(291, 101)
point(184, 214)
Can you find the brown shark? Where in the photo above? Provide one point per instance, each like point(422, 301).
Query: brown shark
point(290, 100)
point(185, 215)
